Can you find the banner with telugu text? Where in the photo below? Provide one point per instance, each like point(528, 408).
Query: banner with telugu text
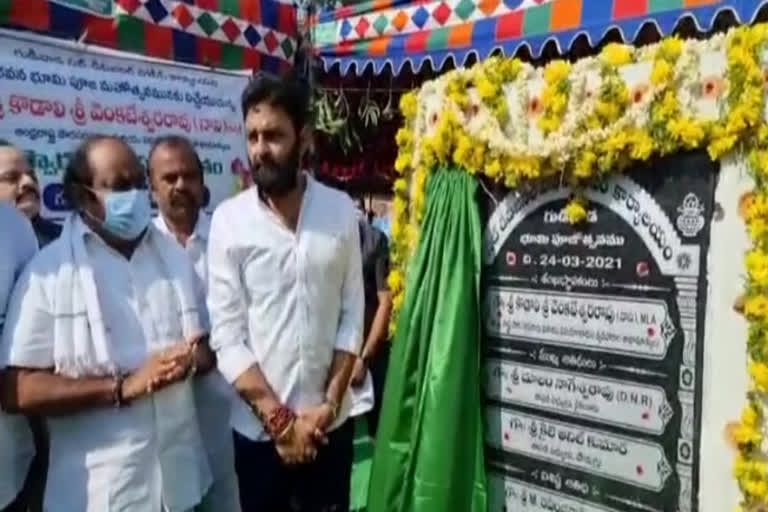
point(55, 94)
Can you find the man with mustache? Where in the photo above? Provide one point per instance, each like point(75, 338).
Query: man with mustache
point(103, 331)
point(176, 179)
point(286, 303)
point(19, 186)
point(29, 203)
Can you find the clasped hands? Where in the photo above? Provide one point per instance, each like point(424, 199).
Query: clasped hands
point(172, 365)
point(306, 435)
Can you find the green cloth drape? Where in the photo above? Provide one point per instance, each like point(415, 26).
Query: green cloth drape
point(361, 466)
point(429, 447)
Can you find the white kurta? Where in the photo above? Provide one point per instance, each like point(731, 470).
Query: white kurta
point(103, 459)
point(213, 395)
point(17, 246)
point(285, 300)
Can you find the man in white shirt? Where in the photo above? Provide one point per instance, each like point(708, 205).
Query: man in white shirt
point(286, 303)
point(17, 246)
point(103, 327)
point(176, 179)
point(19, 187)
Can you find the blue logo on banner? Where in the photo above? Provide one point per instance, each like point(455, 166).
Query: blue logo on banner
point(53, 198)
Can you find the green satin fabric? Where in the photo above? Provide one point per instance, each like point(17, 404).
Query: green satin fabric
point(429, 447)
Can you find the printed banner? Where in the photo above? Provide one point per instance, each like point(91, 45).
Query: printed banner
point(54, 95)
point(595, 339)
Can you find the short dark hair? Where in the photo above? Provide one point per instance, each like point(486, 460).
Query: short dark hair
point(174, 141)
point(78, 171)
point(4, 143)
point(287, 92)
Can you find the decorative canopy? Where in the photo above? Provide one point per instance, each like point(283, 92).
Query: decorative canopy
point(234, 34)
point(395, 32)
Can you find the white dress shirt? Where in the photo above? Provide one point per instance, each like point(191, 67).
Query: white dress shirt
point(197, 243)
point(213, 395)
point(18, 245)
point(100, 459)
point(197, 249)
point(285, 300)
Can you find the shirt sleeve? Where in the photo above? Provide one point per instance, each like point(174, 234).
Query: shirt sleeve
point(28, 332)
point(349, 335)
point(226, 304)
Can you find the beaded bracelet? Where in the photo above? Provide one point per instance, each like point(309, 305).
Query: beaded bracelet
point(279, 422)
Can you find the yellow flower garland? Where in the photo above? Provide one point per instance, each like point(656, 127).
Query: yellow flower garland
point(606, 137)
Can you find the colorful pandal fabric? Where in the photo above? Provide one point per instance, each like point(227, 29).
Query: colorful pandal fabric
point(233, 34)
point(395, 32)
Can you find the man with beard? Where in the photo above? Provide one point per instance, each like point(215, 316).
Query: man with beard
point(19, 185)
point(286, 303)
point(176, 178)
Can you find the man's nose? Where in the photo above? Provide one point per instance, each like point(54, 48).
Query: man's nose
point(181, 183)
point(261, 149)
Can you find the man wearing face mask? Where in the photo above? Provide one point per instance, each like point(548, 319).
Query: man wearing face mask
point(106, 324)
point(176, 179)
point(286, 303)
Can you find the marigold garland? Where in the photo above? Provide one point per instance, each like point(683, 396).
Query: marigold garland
point(591, 122)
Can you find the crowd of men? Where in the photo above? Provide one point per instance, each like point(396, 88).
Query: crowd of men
point(187, 363)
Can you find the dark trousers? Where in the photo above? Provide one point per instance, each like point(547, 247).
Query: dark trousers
point(268, 485)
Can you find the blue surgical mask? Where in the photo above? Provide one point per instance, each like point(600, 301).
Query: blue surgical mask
point(127, 213)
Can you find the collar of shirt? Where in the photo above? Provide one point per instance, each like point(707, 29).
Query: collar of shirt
point(201, 231)
point(309, 191)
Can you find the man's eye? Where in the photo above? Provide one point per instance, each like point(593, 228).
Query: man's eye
point(10, 177)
